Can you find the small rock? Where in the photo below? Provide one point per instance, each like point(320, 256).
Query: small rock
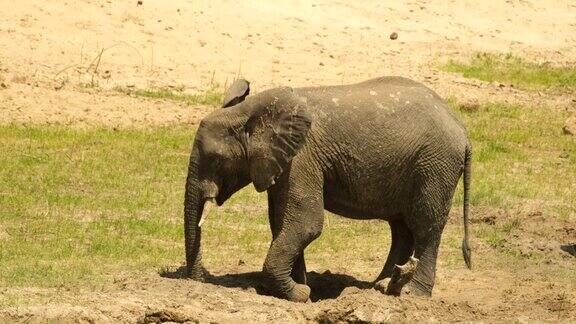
point(106, 74)
point(60, 85)
point(570, 126)
point(394, 36)
point(3, 85)
point(321, 64)
point(241, 262)
point(139, 3)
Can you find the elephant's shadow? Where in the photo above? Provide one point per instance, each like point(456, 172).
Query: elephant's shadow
point(325, 285)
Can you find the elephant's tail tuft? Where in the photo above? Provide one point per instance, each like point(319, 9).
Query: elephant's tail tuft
point(466, 251)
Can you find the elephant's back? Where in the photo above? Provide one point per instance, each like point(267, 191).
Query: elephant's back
point(384, 124)
point(378, 99)
point(360, 86)
point(389, 107)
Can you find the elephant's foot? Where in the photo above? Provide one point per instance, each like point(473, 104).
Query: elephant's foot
point(300, 293)
point(401, 275)
point(299, 277)
point(418, 289)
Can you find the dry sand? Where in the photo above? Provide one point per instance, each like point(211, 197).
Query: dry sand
point(49, 50)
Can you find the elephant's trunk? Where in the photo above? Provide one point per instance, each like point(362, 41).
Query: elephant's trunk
point(193, 207)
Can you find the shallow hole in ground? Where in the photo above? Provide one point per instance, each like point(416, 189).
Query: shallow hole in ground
point(324, 285)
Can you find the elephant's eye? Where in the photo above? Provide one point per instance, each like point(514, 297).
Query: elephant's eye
point(213, 159)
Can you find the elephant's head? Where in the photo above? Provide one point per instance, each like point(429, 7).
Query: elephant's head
point(251, 140)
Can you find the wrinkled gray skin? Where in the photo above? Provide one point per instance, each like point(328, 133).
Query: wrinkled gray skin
point(388, 148)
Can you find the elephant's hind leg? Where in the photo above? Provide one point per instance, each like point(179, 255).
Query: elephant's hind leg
point(426, 220)
point(424, 276)
point(414, 274)
point(401, 248)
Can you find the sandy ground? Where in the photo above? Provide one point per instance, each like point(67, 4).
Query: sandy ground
point(60, 61)
point(233, 298)
point(53, 53)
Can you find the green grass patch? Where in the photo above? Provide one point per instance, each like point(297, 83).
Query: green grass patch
point(81, 206)
point(78, 204)
point(521, 155)
point(514, 70)
point(212, 97)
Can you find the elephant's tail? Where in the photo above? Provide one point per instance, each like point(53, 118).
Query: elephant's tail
point(467, 174)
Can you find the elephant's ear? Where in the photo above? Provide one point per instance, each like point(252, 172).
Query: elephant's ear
point(276, 132)
point(236, 93)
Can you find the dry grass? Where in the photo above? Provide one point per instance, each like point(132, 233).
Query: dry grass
point(210, 97)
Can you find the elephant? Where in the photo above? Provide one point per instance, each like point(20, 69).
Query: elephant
point(388, 148)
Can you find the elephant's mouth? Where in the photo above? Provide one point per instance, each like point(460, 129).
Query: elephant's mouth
point(226, 191)
point(223, 196)
point(211, 200)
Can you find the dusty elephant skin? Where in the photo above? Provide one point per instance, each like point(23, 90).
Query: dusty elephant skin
point(387, 148)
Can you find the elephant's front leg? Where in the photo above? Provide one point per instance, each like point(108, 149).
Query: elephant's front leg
point(299, 269)
point(300, 206)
